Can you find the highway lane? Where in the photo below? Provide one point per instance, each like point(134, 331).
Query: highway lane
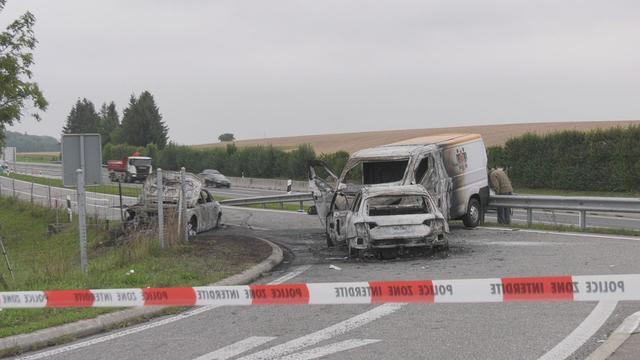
point(465, 331)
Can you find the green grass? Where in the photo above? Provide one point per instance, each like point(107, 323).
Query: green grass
point(102, 189)
point(527, 191)
point(37, 158)
point(43, 262)
point(569, 228)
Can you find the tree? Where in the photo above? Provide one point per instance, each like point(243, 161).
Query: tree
point(16, 88)
point(82, 118)
point(226, 137)
point(108, 122)
point(142, 123)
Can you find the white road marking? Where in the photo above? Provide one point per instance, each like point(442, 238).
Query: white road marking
point(614, 237)
point(137, 329)
point(236, 348)
point(326, 333)
point(326, 350)
point(290, 275)
point(617, 338)
point(587, 328)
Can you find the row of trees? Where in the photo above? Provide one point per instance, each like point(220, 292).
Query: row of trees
point(598, 160)
point(251, 161)
point(141, 124)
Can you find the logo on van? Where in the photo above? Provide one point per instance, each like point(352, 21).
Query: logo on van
point(461, 159)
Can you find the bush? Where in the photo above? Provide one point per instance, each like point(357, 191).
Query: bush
point(598, 160)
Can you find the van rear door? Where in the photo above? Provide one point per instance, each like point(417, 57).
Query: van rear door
point(323, 183)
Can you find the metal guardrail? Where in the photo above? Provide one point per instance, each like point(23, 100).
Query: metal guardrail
point(572, 203)
point(271, 199)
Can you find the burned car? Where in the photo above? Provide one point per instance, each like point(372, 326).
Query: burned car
point(202, 211)
point(386, 221)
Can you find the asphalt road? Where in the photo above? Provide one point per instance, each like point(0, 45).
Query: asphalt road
point(416, 331)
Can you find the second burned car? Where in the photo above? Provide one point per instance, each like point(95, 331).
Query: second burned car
point(386, 221)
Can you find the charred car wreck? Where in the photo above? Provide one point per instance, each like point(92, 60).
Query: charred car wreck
point(450, 167)
point(386, 221)
point(202, 212)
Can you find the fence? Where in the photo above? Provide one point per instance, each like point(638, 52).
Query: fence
point(571, 203)
point(269, 184)
point(100, 205)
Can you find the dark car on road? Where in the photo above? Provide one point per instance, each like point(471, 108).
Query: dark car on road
point(213, 178)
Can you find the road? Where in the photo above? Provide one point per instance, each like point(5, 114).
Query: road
point(599, 220)
point(416, 331)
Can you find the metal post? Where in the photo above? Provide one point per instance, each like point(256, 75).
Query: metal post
point(120, 194)
point(82, 222)
point(6, 259)
point(301, 206)
point(13, 185)
point(160, 208)
point(583, 219)
point(31, 198)
point(529, 217)
point(49, 196)
point(183, 206)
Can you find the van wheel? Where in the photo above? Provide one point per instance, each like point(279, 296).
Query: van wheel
point(472, 218)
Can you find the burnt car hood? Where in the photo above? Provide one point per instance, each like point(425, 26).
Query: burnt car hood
point(171, 188)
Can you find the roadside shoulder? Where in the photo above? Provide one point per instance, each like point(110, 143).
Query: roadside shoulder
point(64, 333)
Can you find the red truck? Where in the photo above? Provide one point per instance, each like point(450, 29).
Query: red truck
point(130, 168)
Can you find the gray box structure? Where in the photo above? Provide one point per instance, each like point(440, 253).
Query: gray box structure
point(82, 151)
point(9, 154)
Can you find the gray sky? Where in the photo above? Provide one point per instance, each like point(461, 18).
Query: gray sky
point(277, 68)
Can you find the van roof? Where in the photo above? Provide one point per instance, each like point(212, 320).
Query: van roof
point(406, 148)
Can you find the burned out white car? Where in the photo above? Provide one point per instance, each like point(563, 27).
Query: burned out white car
point(203, 213)
point(386, 220)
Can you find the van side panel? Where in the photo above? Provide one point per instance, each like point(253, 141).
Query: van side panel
point(466, 164)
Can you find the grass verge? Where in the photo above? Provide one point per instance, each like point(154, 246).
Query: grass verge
point(102, 189)
point(38, 157)
point(568, 228)
point(48, 262)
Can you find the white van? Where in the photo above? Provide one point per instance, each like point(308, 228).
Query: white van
point(451, 167)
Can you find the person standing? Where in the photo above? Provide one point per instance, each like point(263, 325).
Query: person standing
point(501, 185)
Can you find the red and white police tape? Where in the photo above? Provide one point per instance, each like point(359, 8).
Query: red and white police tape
point(551, 288)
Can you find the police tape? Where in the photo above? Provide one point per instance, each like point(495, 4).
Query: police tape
point(510, 289)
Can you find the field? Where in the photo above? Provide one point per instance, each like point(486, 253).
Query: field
point(350, 142)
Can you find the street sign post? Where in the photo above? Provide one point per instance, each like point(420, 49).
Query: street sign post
point(81, 151)
point(82, 165)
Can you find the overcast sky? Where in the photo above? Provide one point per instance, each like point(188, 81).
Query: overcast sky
point(277, 68)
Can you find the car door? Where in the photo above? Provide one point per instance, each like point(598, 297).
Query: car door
point(430, 172)
point(323, 183)
point(208, 211)
point(337, 218)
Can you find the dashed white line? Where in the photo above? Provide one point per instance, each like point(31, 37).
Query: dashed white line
point(321, 351)
point(326, 333)
point(236, 348)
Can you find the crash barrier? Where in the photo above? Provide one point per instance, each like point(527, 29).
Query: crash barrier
point(104, 206)
point(571, 203)
point(270, 199)
point(509, 289)
point(269, 184)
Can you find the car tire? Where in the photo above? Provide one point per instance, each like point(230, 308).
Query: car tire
point(192, 228)
point(472, 218)
point(327, 233)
